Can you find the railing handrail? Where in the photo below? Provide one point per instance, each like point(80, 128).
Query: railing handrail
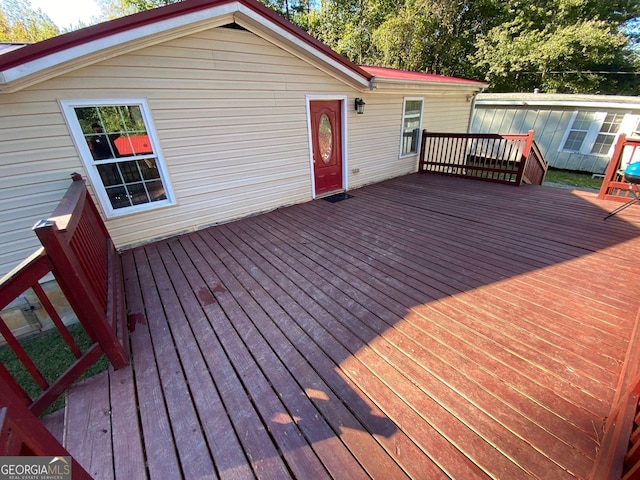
point(535, 168)
point(503, 158)
point(36, 266)
point(80, 255)
point(618, 453)
point(89, 276)
point(613, 185)
point(21, 433)
point(488, 136)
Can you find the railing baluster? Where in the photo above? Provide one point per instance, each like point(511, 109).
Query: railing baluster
point(491, 157)
point(55, 318)
point(78, 254)
point(614, 187)
point(31, 367)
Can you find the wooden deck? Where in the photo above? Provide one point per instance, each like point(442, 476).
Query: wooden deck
point(428, 327)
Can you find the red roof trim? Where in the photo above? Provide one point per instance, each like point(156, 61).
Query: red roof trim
point(102, 30)
point(394, 74)
point(60, 43)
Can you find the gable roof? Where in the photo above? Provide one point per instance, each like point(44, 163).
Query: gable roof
point(37, 62)
point(6, 47)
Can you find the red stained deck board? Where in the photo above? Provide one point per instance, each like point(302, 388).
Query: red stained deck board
point(90, 438)
point(503, 296)
point(387, 301)
point(423, 356)
point(284, 429)
point(128, 448)
point(154, 420)
point(345, 332)
point(268, 314)
point(337, 458)
point(520, 297)
point(395, 280)
point(245, 422)
point(210, 410)
point(195, 458)
point(426, 327)
point(378, 296)
point(420, 354)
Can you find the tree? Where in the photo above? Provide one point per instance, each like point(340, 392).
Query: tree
point(433, 36)
point(558, 46)
point(20, 23)
point(347, 26)
point(119, 8)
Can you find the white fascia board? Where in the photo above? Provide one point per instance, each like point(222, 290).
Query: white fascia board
point(251, 17)
point(559, 103)
point(395, 82)
point(96, 46)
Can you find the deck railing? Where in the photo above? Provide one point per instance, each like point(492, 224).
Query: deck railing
point(512, 159)
point(22, 434)
point(619, 453)
point(626, 151)
point(78, 251)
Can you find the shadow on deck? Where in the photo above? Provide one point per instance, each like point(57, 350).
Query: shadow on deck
point(428, 327)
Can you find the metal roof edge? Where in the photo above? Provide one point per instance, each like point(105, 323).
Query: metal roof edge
point(56, 51)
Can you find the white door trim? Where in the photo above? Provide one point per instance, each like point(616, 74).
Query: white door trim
point(343, 117)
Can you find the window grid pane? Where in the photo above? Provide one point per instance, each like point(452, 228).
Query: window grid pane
point(132, 182)
point(578, 131)
point(574, 141)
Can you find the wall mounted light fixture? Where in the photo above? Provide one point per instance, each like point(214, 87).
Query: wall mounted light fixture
point(359, 104)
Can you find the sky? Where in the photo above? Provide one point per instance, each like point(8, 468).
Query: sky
point(65, 13)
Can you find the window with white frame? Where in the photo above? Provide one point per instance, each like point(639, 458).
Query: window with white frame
point(594, 133)
point(578, 131)
point(607, 135)
point(411, 125)
point(118, 146)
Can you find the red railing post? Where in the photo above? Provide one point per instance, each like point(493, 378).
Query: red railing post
point(78, 270)
point(423, 143)
point(483, 156)
point(524, 156)
point(612, 168)
point(19, 426)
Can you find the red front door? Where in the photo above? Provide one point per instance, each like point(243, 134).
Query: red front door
point(326, 139)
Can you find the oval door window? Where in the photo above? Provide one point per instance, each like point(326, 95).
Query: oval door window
point(325, 138)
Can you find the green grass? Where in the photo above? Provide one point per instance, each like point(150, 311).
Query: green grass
point(572, 178)
point(52, 357)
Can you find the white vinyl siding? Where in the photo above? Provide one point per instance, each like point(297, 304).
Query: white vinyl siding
point(554, 122)
point(229, 117)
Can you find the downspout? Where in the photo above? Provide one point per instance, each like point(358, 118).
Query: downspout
point(372, 85)
point(473, 108)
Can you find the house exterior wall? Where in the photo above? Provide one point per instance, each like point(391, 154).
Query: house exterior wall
point(229, 110)
point(493, 113)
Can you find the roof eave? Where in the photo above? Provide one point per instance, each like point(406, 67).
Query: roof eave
point(68, 52)
point(393, 83)
point(559, 103)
